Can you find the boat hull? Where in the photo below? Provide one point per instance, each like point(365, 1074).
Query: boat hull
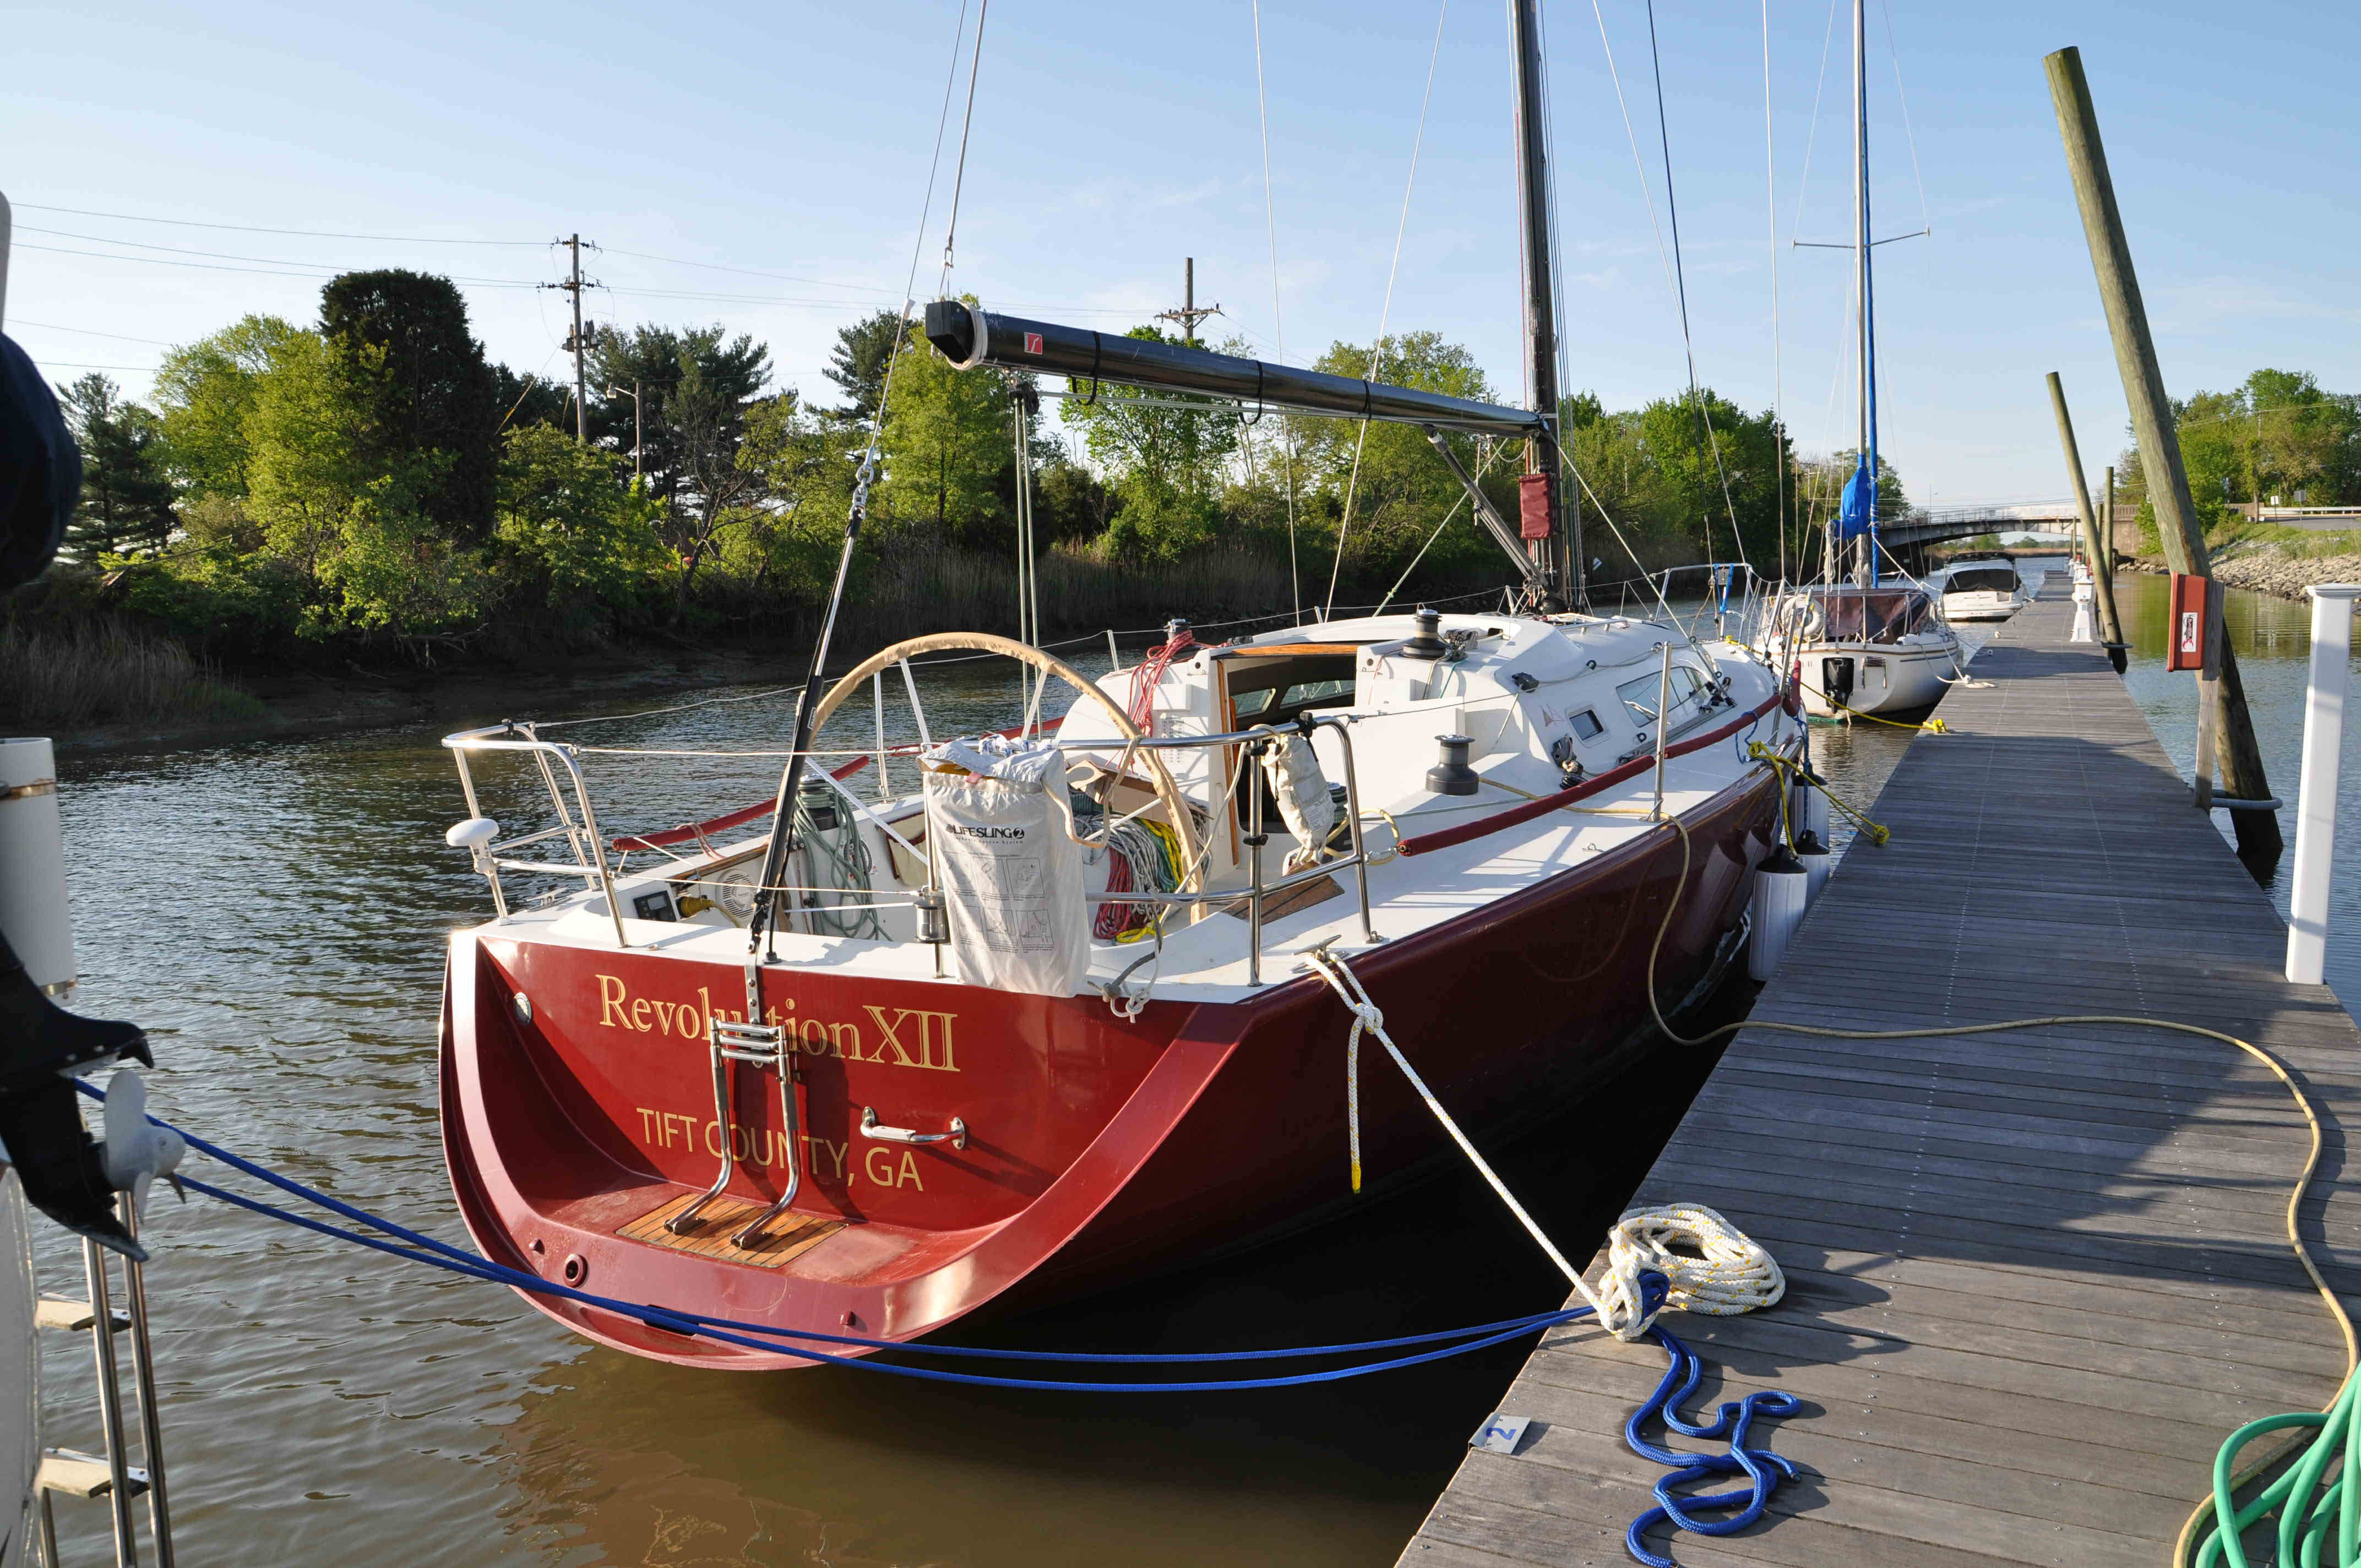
point(1886, 680)
point(1103, 1149)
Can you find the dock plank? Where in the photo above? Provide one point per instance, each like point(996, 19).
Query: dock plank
point(2034, 1276)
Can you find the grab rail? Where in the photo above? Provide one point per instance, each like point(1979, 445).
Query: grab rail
point(589, 852)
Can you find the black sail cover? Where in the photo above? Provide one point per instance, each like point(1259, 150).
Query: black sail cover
point(970, 337)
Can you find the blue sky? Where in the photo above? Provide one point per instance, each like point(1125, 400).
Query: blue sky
point(1111, 141)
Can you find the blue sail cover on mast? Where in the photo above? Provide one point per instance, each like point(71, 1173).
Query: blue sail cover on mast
point(1860, 502)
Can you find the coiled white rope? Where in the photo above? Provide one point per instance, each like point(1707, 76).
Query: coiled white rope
point(1733, 1274)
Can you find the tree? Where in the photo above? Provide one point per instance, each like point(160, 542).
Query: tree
point(569, 527)
point(419, 391)
point(126, 499)
point(859, 361)
point(205, 392)
point(950, 451)
point(1398, 489)
point(1167, 466)
point(660, 359)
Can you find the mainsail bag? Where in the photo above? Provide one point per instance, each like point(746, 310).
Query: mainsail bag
point(1011, 873)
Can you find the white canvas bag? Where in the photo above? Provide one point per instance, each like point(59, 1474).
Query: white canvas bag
point(1011, 873)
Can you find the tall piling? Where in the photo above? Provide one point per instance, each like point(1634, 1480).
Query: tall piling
point(2239, 756)
point(2102, 566)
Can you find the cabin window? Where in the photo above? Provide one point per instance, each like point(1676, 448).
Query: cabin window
point(1689, 697)
point(1585, 723)
point(1688, 692)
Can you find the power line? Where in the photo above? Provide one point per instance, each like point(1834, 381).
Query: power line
point(90, 332)
point(253, 229)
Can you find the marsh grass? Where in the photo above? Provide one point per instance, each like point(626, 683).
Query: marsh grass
point(101, 671)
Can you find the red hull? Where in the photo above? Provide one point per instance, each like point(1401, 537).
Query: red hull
point(1101, 1149)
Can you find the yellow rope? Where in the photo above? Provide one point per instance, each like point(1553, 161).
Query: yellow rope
point(1876, 833)
point(2273, 1452)
point(1931, 727)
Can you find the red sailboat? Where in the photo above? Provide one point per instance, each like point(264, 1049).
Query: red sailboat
point(1047, 1020)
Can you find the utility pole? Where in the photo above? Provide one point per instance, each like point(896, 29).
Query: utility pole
point(1540, 513)
point(577, 345)
point(2222, 702)
point(2102, 568)
point(1189, 314)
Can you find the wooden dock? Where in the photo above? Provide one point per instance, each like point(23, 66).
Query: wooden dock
point(2036, 1277)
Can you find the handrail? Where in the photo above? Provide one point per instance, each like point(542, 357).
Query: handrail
point(1448, 838)
point(496, 738)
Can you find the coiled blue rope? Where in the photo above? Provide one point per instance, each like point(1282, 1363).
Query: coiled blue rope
point(1763, 1469)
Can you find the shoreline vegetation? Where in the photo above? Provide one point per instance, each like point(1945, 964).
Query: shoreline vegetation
point(368, 501)
point(322, 513)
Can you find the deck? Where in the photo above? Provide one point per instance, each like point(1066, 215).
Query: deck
point(2035, 1277)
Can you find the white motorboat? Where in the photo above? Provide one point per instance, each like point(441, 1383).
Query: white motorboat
point(1983, 590)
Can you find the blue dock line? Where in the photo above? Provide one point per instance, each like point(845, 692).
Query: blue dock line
point(1763, 1469)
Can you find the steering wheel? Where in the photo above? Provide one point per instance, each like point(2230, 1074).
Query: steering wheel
point(1175, 806)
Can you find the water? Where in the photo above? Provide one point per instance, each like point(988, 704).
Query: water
point(274, 913)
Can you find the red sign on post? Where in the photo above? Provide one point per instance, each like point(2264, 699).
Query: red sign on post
point(2185, 640)
point(1032, 342)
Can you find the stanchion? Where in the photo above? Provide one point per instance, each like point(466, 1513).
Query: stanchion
point(2324, 740)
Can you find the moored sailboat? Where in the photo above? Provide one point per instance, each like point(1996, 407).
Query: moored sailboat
point(1858, 642)
point(1048, 1019)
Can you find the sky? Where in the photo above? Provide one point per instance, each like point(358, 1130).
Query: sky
point(766, 167)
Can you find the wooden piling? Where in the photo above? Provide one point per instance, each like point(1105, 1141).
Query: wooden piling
point(2240, 756)
point(2102, 569)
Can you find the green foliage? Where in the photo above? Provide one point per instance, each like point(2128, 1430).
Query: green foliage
point(857, 363)
point(211, 595)
point(694, 387)
point(1661, 476)
point(126, 501)
point(950, 452)
point(1397, 488)
point(1166, 465)
point(417, 397)
point(571, 529)
point(205, 392)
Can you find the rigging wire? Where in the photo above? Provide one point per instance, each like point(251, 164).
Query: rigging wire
point(1681, 290)
point(1893, 51)
point(1771, 207)
point(1385, 311)
point(967, 123)
point(1812, 126)
point(1278, 326)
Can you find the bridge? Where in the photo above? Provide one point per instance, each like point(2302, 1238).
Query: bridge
point(1933, 526)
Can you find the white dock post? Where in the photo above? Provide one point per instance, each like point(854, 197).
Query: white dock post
point(2324, 740)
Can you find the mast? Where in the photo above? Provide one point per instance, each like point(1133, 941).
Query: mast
point(1867, 355)
point(1540, 513)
